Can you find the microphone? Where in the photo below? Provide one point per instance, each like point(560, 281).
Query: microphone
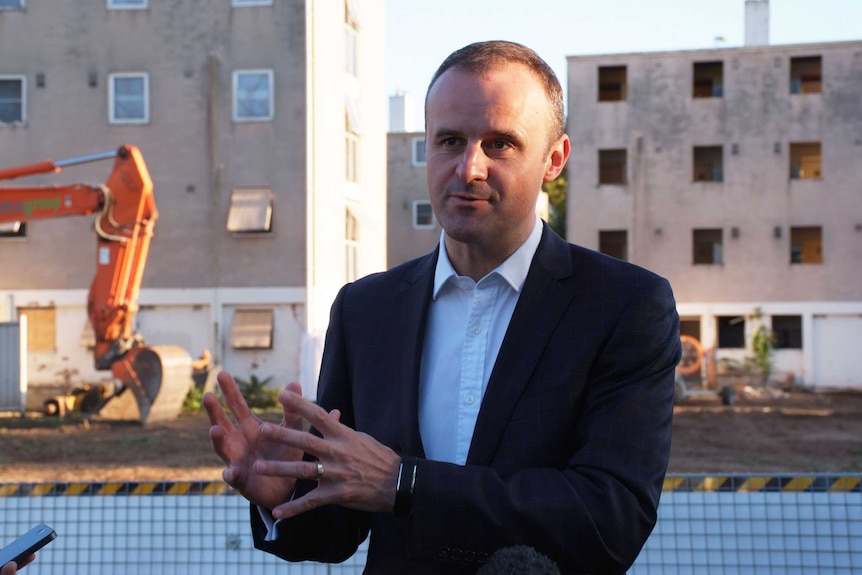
point(518, 560)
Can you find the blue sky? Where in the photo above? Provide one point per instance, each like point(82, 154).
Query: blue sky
point(419, 35)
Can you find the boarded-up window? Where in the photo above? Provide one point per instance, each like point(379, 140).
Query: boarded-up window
point(250, 210)
point(252, 329)
point(41, 328)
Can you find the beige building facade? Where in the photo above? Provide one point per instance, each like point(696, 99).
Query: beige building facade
point(263, 125)
point(736, 174)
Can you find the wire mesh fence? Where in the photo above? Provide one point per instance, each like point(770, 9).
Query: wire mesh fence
point(731, 524)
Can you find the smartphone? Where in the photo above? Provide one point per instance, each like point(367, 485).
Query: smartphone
point(27, 544)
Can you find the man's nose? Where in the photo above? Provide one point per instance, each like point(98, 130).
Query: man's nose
point(473, 164)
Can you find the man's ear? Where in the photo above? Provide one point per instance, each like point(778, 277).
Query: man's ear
point(557, 158)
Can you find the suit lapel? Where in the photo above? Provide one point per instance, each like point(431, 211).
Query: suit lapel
point(540, 307)
point(413, 307)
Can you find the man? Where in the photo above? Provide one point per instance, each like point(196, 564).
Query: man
point(507, 389)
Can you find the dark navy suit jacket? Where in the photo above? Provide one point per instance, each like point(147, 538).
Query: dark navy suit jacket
point(572, 439)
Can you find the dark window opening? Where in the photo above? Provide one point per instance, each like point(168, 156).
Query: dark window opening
point(612, 83)
point(614, 243)
point(708, 80)
point(708, 246)
point(13, 230)
point(708, 164)
point(806, 75)
point(731, 332)
point(612, 167)
point(787, 330)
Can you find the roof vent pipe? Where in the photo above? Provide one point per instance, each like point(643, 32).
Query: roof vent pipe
point(756, 22)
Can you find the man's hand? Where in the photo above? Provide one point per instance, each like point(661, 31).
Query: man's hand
point(358, 471)
point(241, 446)
point(10, 568)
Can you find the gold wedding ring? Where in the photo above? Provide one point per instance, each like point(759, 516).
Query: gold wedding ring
point(319, 470)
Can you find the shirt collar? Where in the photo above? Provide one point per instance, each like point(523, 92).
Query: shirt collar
point(513, 270)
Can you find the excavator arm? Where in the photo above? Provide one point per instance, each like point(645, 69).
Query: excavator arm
point(159, 376)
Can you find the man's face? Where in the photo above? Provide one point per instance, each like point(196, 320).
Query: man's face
point(488, 154)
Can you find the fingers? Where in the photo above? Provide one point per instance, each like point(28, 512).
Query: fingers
point(232, 396)
point(318, 417)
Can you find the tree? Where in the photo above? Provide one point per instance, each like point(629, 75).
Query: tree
point(556, 191)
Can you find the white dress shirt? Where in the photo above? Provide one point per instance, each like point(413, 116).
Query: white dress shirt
point(467, 321)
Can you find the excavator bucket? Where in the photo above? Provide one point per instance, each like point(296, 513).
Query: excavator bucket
point(159, 377)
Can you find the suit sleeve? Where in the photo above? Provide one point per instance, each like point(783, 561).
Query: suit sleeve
point(593, 511)
point(329, 534)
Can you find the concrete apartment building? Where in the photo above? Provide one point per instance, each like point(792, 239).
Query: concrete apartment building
point(736, 174)
point(262, 123)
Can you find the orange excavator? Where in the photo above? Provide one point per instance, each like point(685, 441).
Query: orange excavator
point(160, 376)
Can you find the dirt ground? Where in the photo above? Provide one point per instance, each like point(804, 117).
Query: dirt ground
point(763, 432)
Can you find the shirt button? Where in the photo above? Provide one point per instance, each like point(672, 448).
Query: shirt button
point(476, 329)
point(469, 400)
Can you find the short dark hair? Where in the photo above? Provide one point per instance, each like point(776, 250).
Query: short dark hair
point(481, 57)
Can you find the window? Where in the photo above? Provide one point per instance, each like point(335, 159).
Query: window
point(418, 148)
point(351, 246)
point(351, 37)
point(351, 139)
point(806, 75)
point(612, 167)
point(423, 215)
point(13, 109)
point(806, 245)
point(250, 210)
point(708, 164)
point(41, 328)
point(127, 4)
point(13, 230)
point(11, 4)
point(239, 3)
point(128, 97)
point(612, 83)
point(614, 243)
point(708, 247)
point(252, 96)
point(251, 329)
point(708, 80)
point(805, 161)
point(731, 332)
point(787, 330)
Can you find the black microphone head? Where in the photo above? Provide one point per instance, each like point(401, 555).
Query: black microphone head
point(518, 560)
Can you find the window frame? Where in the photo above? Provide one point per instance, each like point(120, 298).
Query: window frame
point(614, 238)
point(233, 208)
point(41, 327)
point(13, 230)
point(249, 3)
point(414, 159)
point(798, 86)
point(270, 76)
point(730, 332)
point(414, 219)
point(112, 103)
point(788, 334)
point(609, 73)
point(796, 151)
point(251, 342)
point(23, 99)
point(142, 6)
point(800, 234)
point(701, 70)
point(351, 244)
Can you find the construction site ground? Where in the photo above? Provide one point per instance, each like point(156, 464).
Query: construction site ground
point(764, 431)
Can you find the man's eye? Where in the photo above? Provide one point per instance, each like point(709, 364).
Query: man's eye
point(450, 142)
point(499, 144)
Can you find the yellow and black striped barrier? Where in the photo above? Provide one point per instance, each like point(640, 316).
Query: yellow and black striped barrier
point(108, 488)
point(790, 483)
point(763, 483)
